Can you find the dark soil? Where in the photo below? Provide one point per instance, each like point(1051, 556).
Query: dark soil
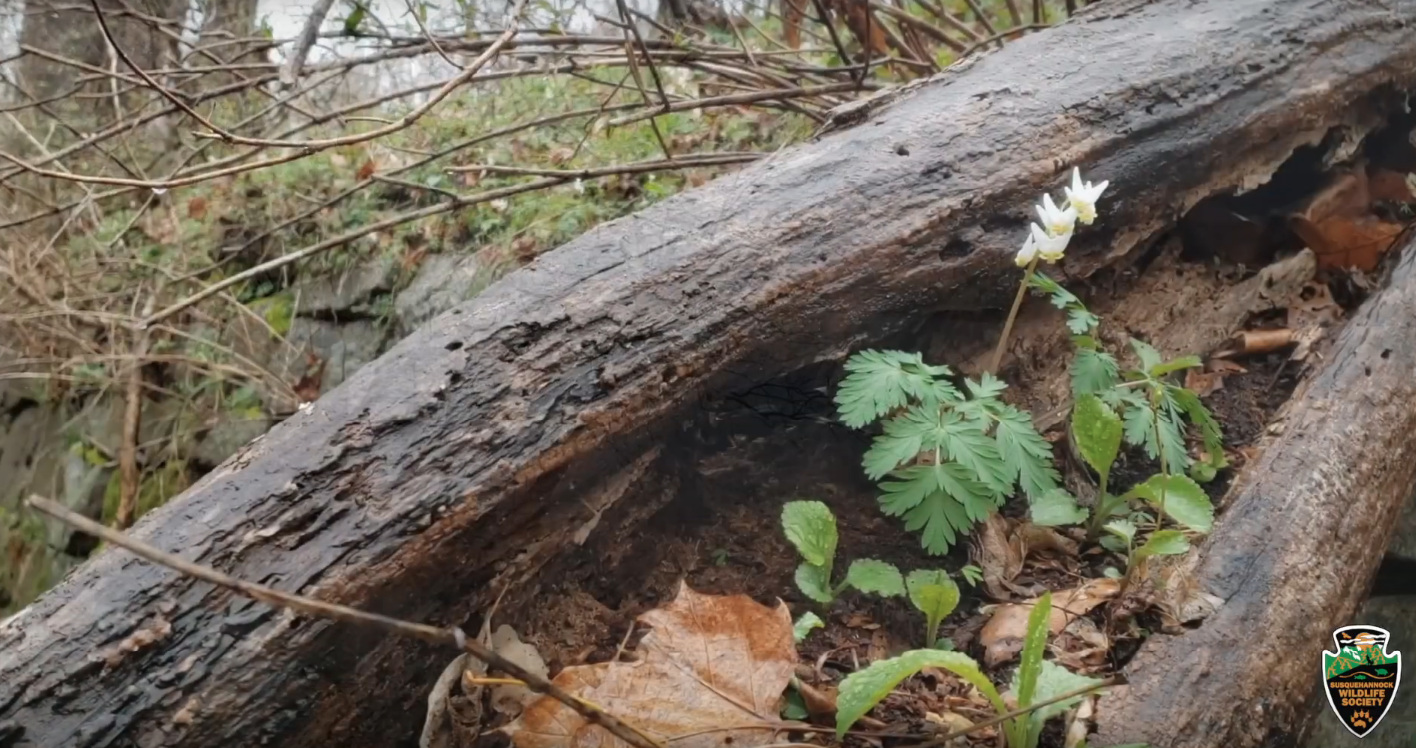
point(724, 537)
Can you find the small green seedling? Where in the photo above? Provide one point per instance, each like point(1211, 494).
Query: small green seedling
point(972, 575)
point(811, 527)
point(805, 624)
point(935, 595)
point(1160, 543)
point(1035, 681)
point(951, 458)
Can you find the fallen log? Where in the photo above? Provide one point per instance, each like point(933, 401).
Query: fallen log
point(1295, 552)
point(491, 441)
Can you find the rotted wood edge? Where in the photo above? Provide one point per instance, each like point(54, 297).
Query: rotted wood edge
point(475, 449)
point(1294, 550)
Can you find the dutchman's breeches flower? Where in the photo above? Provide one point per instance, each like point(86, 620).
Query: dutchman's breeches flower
point(1082, 196)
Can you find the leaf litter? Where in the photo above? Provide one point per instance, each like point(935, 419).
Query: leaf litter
point(1095, 624)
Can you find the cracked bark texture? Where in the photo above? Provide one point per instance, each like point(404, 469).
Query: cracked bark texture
point(1294, 551)
point(483, 445)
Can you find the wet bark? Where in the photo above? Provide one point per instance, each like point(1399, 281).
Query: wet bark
point(1294, 552)
point(497, 437)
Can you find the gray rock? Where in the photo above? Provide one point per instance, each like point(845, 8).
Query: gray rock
point(227, 437)
point(443, 282)
point(347, 291)
point(343, 347)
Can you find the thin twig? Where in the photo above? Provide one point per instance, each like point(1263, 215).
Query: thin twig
point(132, 417)
point(452, 636)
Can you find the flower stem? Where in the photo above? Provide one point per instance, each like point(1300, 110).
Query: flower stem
point(1164, 471)
point(1012, 317)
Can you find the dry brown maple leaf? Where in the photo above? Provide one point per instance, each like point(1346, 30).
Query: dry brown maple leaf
point(710, 673)
point(1002, 637)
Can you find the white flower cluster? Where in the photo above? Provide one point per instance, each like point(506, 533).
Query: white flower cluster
point(1048, 240)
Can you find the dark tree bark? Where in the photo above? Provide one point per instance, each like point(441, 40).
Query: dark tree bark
point(470, 455)
point(1294, 552)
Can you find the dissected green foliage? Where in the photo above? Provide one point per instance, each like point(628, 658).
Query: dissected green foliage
point(951, 457)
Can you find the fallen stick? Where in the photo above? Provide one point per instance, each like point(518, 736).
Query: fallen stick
point(452, 636)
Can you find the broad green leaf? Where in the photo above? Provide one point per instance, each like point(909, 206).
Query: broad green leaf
point(1034, 645)
point(1149, 356)
point(795, 706)
point(814, 582)
point(804, 625)
point(1093, 371)
point(863, 689)
point(1097, 431)
point(1111, 572)
point(811, 527)
point(878, 577)
point(1184, 362)
point(1053, 681)
point(1026, 455)
point(1164, 543)
point(934, 594)
point(1121, 528)
point(1185, 500)
point(1056, 508)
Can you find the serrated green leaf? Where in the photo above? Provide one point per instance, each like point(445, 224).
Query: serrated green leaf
point(1053, 681)
point(904, 437)
point(878, 577)
point(863, 689)
point(878, 382)
point(1164, 543)
point(1034, 645)
point(1121, 528)
point(1097, 432)
point(988, 387)
point(934, 594)
point(971, 574)
point(811, 527)
point(1026, 455)
point(1199, 415)
point(1184, 362)
point(1081, 321)
point(966, 443)
point(814, 582)
point(941, 500)
point(1093, 371)
point(804, 625)
point(1185, 500)
point(1139, 423)
point(1056, 508)
point(1149, 356)
point(1172, 434)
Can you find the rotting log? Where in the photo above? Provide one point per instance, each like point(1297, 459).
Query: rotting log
point(474, 452)
point(1294, 551)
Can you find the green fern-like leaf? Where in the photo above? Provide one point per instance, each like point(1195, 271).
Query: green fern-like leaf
point(1149, 356)
point(1027, 456)
point(940, 500)
point(1081, 321)
point(878, 382)
point(1199, 415)
point(967, 444)
point(1093, 371)
point(905, 436)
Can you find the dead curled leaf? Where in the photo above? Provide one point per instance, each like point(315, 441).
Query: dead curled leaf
point(710, 670)
point(1002, 637)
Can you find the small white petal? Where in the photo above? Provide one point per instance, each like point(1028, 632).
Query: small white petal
point(159, 190)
